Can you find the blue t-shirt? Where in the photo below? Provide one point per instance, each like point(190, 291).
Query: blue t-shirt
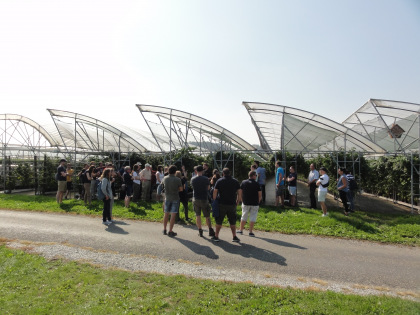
point(261, 175)
point(280, 170)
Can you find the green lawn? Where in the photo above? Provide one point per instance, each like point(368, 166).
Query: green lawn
point(401, 229)
point(31, 285)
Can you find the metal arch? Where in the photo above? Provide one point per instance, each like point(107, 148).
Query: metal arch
point(199, 121)
point(31, 123)
point(333, 127)
point(95, 123)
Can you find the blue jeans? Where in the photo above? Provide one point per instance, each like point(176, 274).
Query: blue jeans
point(171, 206)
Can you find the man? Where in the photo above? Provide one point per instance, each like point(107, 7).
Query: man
point(94, 181)
point(69, 180)
point(146, 181)
point(261, 179)
point(201, 187)
point(173, 185)
point(207, 171)
point(250, 194)
point(279, 184)
point(61, 180)
point(312, 179)
point(323, 183)
point(227, 188)
point(292, 180)
point(136, 183)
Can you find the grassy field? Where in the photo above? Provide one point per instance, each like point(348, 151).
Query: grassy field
point(401, 229)
point(31, 285)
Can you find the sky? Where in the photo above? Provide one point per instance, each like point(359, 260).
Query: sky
point(100, 58)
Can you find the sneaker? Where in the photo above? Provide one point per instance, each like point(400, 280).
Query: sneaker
point(105, 222)
point(235, 239)
point(215, 239)
point(200, 232)
point(172, 234)
point(164, 232)
point(211, 232)
point(110, 222)
point(251, 234)
point(239, 232)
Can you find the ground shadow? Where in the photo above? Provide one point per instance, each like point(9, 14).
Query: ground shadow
point(112, 228)
point(250, 251)
point(198, 249)
point(281, 243)
point(120, 222)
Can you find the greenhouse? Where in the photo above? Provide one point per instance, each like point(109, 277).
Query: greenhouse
point(379, 128)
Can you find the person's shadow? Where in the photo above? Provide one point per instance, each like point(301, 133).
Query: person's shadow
point(112, 228)
point(198, 249)
point(250, 251)
point(280, 243)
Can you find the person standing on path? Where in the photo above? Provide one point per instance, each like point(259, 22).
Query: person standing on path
point(201, 187)
point(61, 181)
point(342, 187)
point(136, 183)
point(173, 185)
point(292, 180)
point(107, 191)
point(312, 179)
point(227, 187)
point(128, 182)
point(322, 184)
point(69, 180)
point(261, 179)
point(146, 181)
point(250, 195)
point(279, 184)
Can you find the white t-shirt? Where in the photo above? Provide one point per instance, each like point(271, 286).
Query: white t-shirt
point(323, 180)
point(137, 181)
point(159, 177)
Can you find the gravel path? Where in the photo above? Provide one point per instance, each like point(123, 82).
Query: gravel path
point(269, 259)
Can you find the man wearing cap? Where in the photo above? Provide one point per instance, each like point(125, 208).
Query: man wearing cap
point(146, 181)
point(201, 186)
point(61, 180)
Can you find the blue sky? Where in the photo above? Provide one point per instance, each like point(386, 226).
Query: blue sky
point(100, 58)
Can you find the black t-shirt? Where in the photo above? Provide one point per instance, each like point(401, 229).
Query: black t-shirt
point(250, 189)
point(293, 182)
point(127, 179)
point(227, 188)
point(208, 173)
point(200, 185)
point(60, 169)
point(85, 179)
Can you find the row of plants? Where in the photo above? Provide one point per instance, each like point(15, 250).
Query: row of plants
point(388, 176)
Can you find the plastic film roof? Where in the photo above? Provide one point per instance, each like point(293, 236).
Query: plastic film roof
point(290, 129)
point(391, 124)
point(184, 129)
point(81, 132)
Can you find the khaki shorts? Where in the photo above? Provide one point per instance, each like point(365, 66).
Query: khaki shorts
point(322, 195)
point(62, 186)
point(201, 206)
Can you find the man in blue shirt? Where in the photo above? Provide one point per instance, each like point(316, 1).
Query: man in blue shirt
point(279, 184)
point(261, 179)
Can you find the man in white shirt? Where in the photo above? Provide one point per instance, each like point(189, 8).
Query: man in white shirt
point(322, 184)
point(312, 179)
point(146, 181)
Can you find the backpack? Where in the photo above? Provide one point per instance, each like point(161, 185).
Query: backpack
point(101, 195)
point(325, 185)
point(352, 184)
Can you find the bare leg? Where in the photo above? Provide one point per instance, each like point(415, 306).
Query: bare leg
point(218, 228)
point(233, 229)
point(172, 222)
point(242, 225)
point(165, 220)
point(251, 226)
point(198, 221)
point(208, 221)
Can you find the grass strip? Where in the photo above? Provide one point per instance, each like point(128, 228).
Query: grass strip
point(387, 228)
point(32, 285)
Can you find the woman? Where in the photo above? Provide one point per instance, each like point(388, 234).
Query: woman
point(159, 178)
point(322, 184)
point(183, 196)
point(342, 187)
point(107, 191)
point(128, 181)
point(87, 185)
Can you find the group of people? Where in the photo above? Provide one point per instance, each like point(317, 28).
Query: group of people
point(316, 180)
